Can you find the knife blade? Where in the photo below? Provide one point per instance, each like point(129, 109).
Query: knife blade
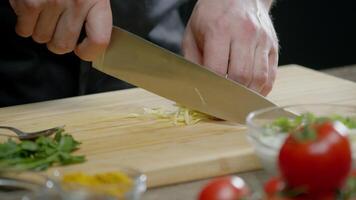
point(146, 65)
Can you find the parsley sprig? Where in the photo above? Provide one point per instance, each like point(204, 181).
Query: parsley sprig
point(39, 154)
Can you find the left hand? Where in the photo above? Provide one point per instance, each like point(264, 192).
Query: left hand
point(58, 23)
point(234, 38)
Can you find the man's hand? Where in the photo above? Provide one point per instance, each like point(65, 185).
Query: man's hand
point(234, 38)
point(58, 23)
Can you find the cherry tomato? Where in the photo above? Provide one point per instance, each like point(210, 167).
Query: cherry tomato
point(273, 189)
point(225, 188)
point(274, 186)
point(317, 165)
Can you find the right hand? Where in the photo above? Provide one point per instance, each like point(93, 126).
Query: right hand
point(58, 23)
point(234, 38)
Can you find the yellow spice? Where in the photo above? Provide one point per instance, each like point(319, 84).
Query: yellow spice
point(112, 183)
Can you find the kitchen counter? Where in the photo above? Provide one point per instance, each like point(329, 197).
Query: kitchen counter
point(187, 191)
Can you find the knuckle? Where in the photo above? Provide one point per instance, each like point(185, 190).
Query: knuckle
point(41, 38)
point(273, 59)
point(23, 32)
point(264, 37)
point(79, 3)
point(60, 47)
point(273, 74)
point(261, 78)
point(223, 24)
point(275, 47)
point(219, 27)
point(32, 5)
point(100, 41)
point(250, 26)
point(267, 88)
point(54, 3)
point(83, 56)
point(243, 76)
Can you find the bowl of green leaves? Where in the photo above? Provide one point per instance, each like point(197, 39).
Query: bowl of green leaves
point(268, 128)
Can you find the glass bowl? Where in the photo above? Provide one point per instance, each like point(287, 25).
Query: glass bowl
point(72, 190)
point(27, 185)
point(267, 142)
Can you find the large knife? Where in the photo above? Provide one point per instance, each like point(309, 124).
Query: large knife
point(141, 63)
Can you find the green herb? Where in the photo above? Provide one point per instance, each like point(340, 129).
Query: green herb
point(39, 154)
point(349, 190)
point(347, 121)
point(287, 125)
point(293, 192)
point(306, 133)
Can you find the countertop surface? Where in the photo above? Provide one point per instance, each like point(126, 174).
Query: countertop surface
point(190, 190)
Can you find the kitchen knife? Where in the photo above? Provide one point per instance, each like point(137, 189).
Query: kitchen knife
point(141, 63)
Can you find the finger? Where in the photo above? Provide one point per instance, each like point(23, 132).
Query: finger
point(98, 29)
point(68, 29)
point(272, 71)
point(27, 14)
point(216, 53)
point(260, 67)
point(241, 61)
point(47, 22)
point(190, 48)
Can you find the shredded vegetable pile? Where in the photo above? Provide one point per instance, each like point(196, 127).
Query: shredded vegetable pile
point(180, 116)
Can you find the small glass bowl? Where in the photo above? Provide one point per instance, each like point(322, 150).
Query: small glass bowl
point(267, 143)
point(76, 191)
point(27, 185)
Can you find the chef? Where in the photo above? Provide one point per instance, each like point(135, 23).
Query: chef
point(48, 44)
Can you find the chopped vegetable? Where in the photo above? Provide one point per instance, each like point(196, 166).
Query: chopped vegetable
point(110, 183)
point(181, 116)
point(39, 154)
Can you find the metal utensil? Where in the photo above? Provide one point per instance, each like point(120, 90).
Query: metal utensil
point(32, 135)
point(141, 63)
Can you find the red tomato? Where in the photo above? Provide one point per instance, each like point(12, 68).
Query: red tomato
point(316, 165)
point(225, 188)
point(273, 189)
point(274, 186)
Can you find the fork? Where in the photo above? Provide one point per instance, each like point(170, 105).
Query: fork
point(32, 135)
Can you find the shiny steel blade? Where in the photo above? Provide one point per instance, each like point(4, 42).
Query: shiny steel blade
point(157, 70)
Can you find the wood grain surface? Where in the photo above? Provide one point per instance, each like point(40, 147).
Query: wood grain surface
point(164, 152)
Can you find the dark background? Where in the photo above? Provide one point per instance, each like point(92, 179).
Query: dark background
point(317, 34)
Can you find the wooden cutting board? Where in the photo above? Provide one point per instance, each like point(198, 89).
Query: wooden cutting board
point(164, 152)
